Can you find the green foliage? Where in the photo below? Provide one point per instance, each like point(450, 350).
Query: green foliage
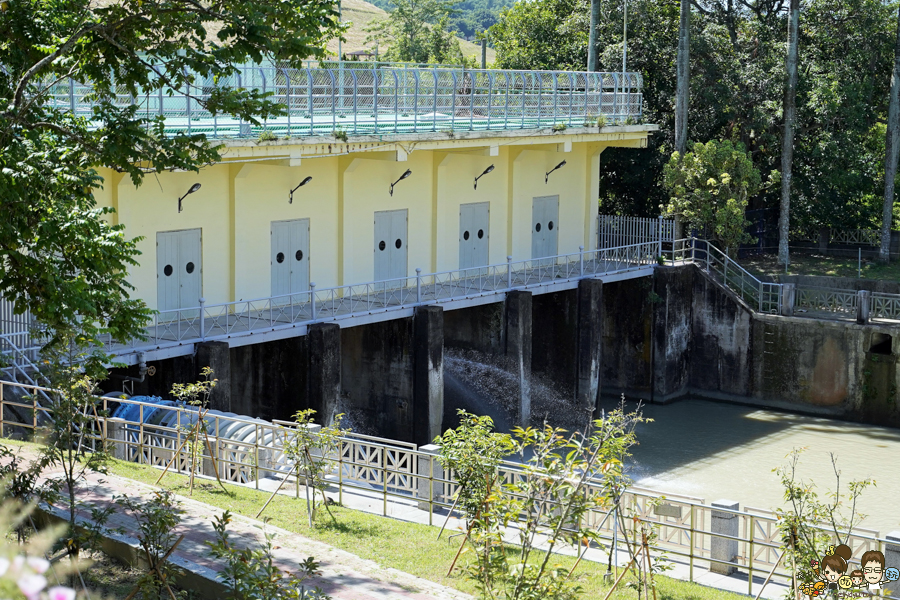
point(473, 451)
point(157, 519)
point(806, 521)
point(309, 449)
point(472, 16)
point(710, 187)
point(846, 59)
point(418, 31)
point(197, 395)
point(559, 127)
point(251, 574)
point(339, 134)
point(266, 136)
point(62, 257)
point(563, 478)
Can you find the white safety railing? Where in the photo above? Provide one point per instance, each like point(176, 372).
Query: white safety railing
point(759, 295)
point(363, 98)
point(615, 230)
point(249, 451)
point(208, 322)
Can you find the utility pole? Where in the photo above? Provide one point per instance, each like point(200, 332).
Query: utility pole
point(592, 64)
point(787, 148)
point(892, 152)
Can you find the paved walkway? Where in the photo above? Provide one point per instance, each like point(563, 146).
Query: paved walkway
point(344, 576)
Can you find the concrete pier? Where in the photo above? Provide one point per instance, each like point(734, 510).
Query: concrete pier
point(589, 343)
point(324, 370)
point(517, 338)
point(217, 356)
point(428, 373)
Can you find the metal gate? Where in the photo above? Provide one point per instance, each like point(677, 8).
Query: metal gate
point(545, 226)
point(290, 257)
point(390, 244)
point(178, 270)
point(474, 222)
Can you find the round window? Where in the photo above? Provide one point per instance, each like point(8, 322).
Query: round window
point(381, 245)
point(398, 244)
point(189, 267)
point(537, 227)
point(279, 258)
point(550, 225)
point(466, 235)
point(167, 270)
point(298, 255)
point(480, 233)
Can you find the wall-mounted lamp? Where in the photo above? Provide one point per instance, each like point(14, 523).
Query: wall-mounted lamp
point(402, 177)
point(559, 166)
point(486, 171)
point(193, 189)
point(299, 185)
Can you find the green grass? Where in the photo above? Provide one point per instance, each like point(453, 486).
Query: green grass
point(405, 546)
point(817, 264)
point(409, 547)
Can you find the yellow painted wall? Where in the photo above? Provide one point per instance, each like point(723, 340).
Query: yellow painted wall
point(153, 208)
point(366, 190)
point(455, 186)
point(529, 169)
point(261, 196)
point(238, 201)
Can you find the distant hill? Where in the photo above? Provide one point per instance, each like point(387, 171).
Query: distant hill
point(361, 13)
point(473, 16)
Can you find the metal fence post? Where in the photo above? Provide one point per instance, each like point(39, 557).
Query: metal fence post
point(418, 284)
point(202, 319)
point(581, 260)
point(660, 234)
point(312, 299)
point(509, 272)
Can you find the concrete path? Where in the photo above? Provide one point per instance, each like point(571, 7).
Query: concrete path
point(344, 576)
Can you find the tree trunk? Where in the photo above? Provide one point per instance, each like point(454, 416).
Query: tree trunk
point(790, 111)
point(683, 89)
point(892, 150)
point(593, 61)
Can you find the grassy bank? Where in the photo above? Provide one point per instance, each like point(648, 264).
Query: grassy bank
point(402, 545)
point(409, 547)
point(821, 265)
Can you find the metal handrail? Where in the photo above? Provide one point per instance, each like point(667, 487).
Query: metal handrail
point(209, 322)
point(391, 472)
point(382, 99)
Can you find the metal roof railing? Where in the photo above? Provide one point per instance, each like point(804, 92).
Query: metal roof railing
point(385, 99)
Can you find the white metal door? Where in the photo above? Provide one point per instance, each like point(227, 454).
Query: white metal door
point(290, 257)
point(545, 226)
point(474, 220)
point(178, 269)
point(390, 244)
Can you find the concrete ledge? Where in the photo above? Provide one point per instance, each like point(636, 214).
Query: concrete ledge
point(127, 550)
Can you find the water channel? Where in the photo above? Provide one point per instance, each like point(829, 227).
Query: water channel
point(710, 450)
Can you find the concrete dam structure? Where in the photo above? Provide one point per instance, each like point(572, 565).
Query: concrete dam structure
point(668, 332)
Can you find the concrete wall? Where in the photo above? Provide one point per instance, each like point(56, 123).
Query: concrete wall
point(886, 286)
point(378, 376)
point(706, 343)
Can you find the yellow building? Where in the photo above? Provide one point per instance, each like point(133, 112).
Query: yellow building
point(244, 235)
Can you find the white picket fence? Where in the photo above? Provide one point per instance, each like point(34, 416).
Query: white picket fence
point(16, 326)
point(614, 230)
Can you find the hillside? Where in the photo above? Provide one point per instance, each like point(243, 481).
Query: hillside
point(360, 14)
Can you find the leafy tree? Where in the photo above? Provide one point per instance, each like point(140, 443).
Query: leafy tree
point(418, 31)
point(473, 451)
point(309, 451)
point(563, 478)
point(710, 187)
point(251, 573)
point(61, 257)
point(808, 523)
